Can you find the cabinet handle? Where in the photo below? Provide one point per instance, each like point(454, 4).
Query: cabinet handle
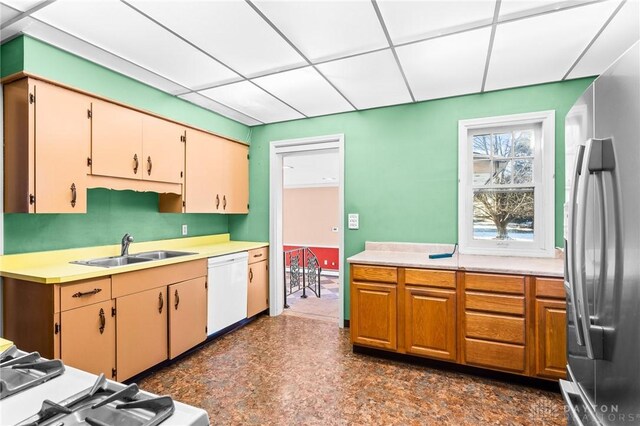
point(87, 293)
point(160, 302)
point(149, 165)
point(102, 320)
point(74, 195)
point(257, 255)
point(217, 201)
point(135, 163)
point(177, 299)
point(224, 202)
point(250, 275)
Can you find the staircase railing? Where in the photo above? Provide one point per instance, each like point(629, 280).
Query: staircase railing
point(303, 272)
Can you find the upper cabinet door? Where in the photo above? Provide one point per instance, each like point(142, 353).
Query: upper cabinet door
point(204, 172)
point(63, 141)
point(236, 194)
point(163, 150)
point(116, 146)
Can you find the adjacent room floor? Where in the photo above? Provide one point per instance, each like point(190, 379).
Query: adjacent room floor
point(290, 370)
point(324, 308)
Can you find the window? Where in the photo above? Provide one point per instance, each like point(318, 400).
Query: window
point(506, 186)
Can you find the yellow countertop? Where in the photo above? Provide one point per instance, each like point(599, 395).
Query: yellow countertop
point(53, 267)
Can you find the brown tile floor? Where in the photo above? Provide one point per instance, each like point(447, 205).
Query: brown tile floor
point(297, 371)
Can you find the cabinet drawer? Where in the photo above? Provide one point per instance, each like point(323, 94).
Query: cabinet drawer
point(498, 303)
point(503, 356)
point(383, 274)
point(495, 327)
point(549, 287)
point(496, 283)
point(259, 254)
point(430, 278)
point(85, 293)
point(146, 279)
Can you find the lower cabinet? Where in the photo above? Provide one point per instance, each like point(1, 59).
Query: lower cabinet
point(258, 288)
point(374, 315)
point(89, 338)
point(551, 338)
point(187, 315)
point(141, 336)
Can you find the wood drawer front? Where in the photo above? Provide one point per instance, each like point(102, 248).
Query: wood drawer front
point(85, 293)
point(135, 282)
point(495, 283)
point(430, 278)
point(495, 327)
point(383, 274)
point(497, 303)
point(503, 356)
point(550, 287)
point(258, 255)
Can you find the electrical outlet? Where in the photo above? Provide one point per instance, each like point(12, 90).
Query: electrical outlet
point(184, 230)
point(325, 262)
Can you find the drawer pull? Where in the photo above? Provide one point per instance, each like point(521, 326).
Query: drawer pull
point(257, 255)
point(87, 293)
point(102, 320)
point(177, 299)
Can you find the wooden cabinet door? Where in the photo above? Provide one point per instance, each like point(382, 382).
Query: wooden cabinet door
point(88, 338)
point(373, 315)
point(187, 315)
point(204, 172)
point(116, 144)
point(551, 338)
point(63, 142)
point(236, 192)
point(430, 322)
point(141, 331)
point(163, 150)
point(258, 288)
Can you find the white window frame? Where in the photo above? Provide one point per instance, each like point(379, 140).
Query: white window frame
point(544, 184)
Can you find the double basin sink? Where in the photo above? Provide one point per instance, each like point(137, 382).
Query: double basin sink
point(149, 256)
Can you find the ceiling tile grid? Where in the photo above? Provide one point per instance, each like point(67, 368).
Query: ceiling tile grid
point(263, 61)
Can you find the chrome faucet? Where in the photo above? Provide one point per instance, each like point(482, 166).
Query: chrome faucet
point(126, 240)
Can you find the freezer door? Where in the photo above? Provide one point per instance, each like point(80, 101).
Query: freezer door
point(617, 308)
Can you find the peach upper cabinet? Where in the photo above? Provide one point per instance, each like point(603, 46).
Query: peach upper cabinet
point(132, 145)
point(217, 178)
point(47, 142)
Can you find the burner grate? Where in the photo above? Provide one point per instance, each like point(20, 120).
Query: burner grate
point(20, 372)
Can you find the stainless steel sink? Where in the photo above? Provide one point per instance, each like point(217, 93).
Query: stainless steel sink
point(110, 262)
point(161, 254)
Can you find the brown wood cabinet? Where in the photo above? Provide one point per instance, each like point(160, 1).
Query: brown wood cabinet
point(550, 329)
point(258, 287)
point(187, 315)
point(47, 142)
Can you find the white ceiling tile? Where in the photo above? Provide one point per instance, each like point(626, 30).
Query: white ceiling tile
point(326, 29)
point(305, 90)
point(7, 13)
point(541, 49)
point(119, 29)
point(516, 8)
point(413, 20)
point(231, 31)
point(253, 101)
point(621, 33)
point(212, 105)
point(446, 66)
point(22, 5)
point(368, 81)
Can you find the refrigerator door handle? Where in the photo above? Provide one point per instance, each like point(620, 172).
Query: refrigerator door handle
point(570, 261)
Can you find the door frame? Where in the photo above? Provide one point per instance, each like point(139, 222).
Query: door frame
point(277, 150)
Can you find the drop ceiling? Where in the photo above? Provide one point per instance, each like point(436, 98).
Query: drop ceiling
point(266, 61)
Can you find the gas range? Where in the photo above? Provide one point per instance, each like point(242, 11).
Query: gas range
point(50, 393)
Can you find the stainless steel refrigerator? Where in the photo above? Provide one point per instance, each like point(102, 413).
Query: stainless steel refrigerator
point(602, 248)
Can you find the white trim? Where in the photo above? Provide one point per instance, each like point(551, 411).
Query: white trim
point(277, 149)
point(312, 185)
point(310, 245)
point(545, 193)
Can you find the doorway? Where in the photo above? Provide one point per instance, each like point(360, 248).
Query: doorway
point(306, 174)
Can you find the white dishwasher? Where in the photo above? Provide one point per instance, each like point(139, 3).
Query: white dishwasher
point(227, 296)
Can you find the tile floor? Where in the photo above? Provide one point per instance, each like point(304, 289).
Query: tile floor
point(298, 371)
point(324, 308)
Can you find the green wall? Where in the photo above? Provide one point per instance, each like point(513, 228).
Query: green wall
point(401, 164)
point(109, 213)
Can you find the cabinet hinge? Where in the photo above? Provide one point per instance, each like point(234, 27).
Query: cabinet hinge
point(113, 312)
point(183, 138)
point(32, 98)
point(181, 174)
point(113, 373)
point(56, 328)
point(248, 157)
point(184, 204)
point(89, 113)
point(206, 329)
point(89, 161)
point(206, 284)
point(32, 199)
point(247, 206)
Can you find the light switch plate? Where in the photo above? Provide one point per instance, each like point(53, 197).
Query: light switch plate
point(354, 221)
point(184, 229)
